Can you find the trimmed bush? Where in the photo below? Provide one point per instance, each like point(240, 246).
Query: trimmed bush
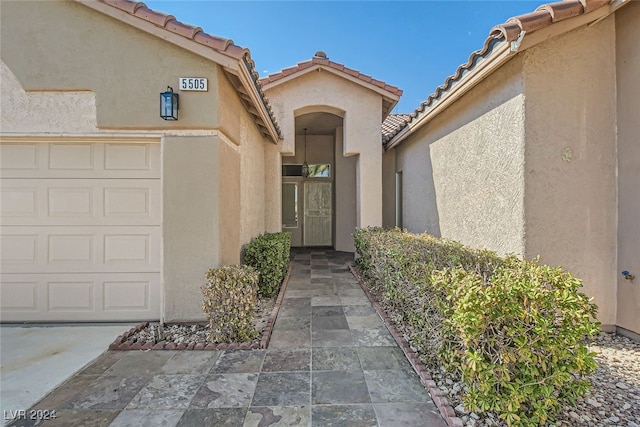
point(510, 328)
point(230, 299)
point(269, 254)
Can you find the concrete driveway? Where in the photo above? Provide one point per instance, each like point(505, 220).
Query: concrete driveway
point(37, 358)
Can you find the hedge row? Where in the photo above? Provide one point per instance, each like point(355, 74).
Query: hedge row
point(510, 328)
point(269, 254)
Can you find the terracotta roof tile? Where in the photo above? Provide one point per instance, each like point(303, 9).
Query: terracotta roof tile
point(318, 60)
point(185, 30)
point(542, 17)
point(563, 10)
point(393, 122)
point(219, 44)
point(157, 18)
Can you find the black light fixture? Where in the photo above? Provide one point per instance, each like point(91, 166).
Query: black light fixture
point(169, 104)
point(305, 165)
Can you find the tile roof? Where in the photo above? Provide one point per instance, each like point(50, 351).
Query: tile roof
point(219, 44)
point(320, 59)
point(509, 31)
point(392, 123)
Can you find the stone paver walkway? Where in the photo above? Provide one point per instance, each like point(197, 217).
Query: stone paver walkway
point(330, 362)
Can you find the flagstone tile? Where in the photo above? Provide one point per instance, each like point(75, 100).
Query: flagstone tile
point(287, 360)
point(147, 417)
point(80, 418)
point(364, 322)
point(339, 387)
point(226, 391)
point(109, 392)
point(335, 359)
point(408, 415)
point(191, 362)
point(141, 363)
point(278, 416)
point(383, 358)
point(329, 323)
point(302, 323)
point(167, 392)
point(65, 393)
point(372, 337)
point(282, 389)
point(239, 361)
point(332, 338)
point(360, 415)
point(218, 417)
point(395, 385)
point(103, 362)
point(290, 339)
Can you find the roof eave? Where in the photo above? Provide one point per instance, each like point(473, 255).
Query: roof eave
point(232, 62)
point(494, 60)
point(392, 97)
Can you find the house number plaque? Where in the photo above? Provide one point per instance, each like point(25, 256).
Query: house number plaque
point(198, 84)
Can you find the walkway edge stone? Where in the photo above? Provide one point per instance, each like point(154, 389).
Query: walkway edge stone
point(124, 343)
point(441, 402)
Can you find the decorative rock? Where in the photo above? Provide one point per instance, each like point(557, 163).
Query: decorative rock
point(460, 409)
point(593, 403)
point(623, 386)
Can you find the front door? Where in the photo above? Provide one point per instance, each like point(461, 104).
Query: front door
point(317, 214)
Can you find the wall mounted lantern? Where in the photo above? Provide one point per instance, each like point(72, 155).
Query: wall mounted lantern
point(305, 165)
point(169, 104)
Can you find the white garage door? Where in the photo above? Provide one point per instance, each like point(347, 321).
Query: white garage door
point(80, 230)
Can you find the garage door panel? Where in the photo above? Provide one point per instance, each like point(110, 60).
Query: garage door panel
point(81, 230)
point(80, 249)
point(80, 160)
point(79, 297)
point(80, 202)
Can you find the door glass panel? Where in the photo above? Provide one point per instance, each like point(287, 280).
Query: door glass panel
point(289, 205)
point(317, 213)
point(320, 171)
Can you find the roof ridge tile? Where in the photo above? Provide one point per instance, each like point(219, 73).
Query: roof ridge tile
point(300, 66)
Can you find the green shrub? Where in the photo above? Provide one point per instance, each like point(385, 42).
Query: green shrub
point(510, 328)
point(269, 254)
point(230, 299)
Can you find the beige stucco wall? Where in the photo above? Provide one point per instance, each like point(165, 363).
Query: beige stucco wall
point(191, 221)
point(570, 188)
point(463, 172)
point(53, 45)
point(389, 188)
point(252, 181)
point(628, 107)
point(345, 184)
point(361, 108)
point(273, 188)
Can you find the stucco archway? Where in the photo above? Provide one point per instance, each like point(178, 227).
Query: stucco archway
point(319, 210)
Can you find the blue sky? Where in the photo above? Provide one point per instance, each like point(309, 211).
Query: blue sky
point(414, 45)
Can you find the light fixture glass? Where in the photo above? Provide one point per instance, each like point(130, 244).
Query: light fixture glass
point(305, 165)
point(169, 104)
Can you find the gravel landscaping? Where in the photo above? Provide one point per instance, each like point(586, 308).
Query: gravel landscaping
point(197, 333)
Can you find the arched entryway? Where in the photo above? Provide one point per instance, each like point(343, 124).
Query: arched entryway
point(319, 209)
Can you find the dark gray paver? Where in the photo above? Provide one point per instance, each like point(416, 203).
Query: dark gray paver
point(361, 415)
point(282, 389)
